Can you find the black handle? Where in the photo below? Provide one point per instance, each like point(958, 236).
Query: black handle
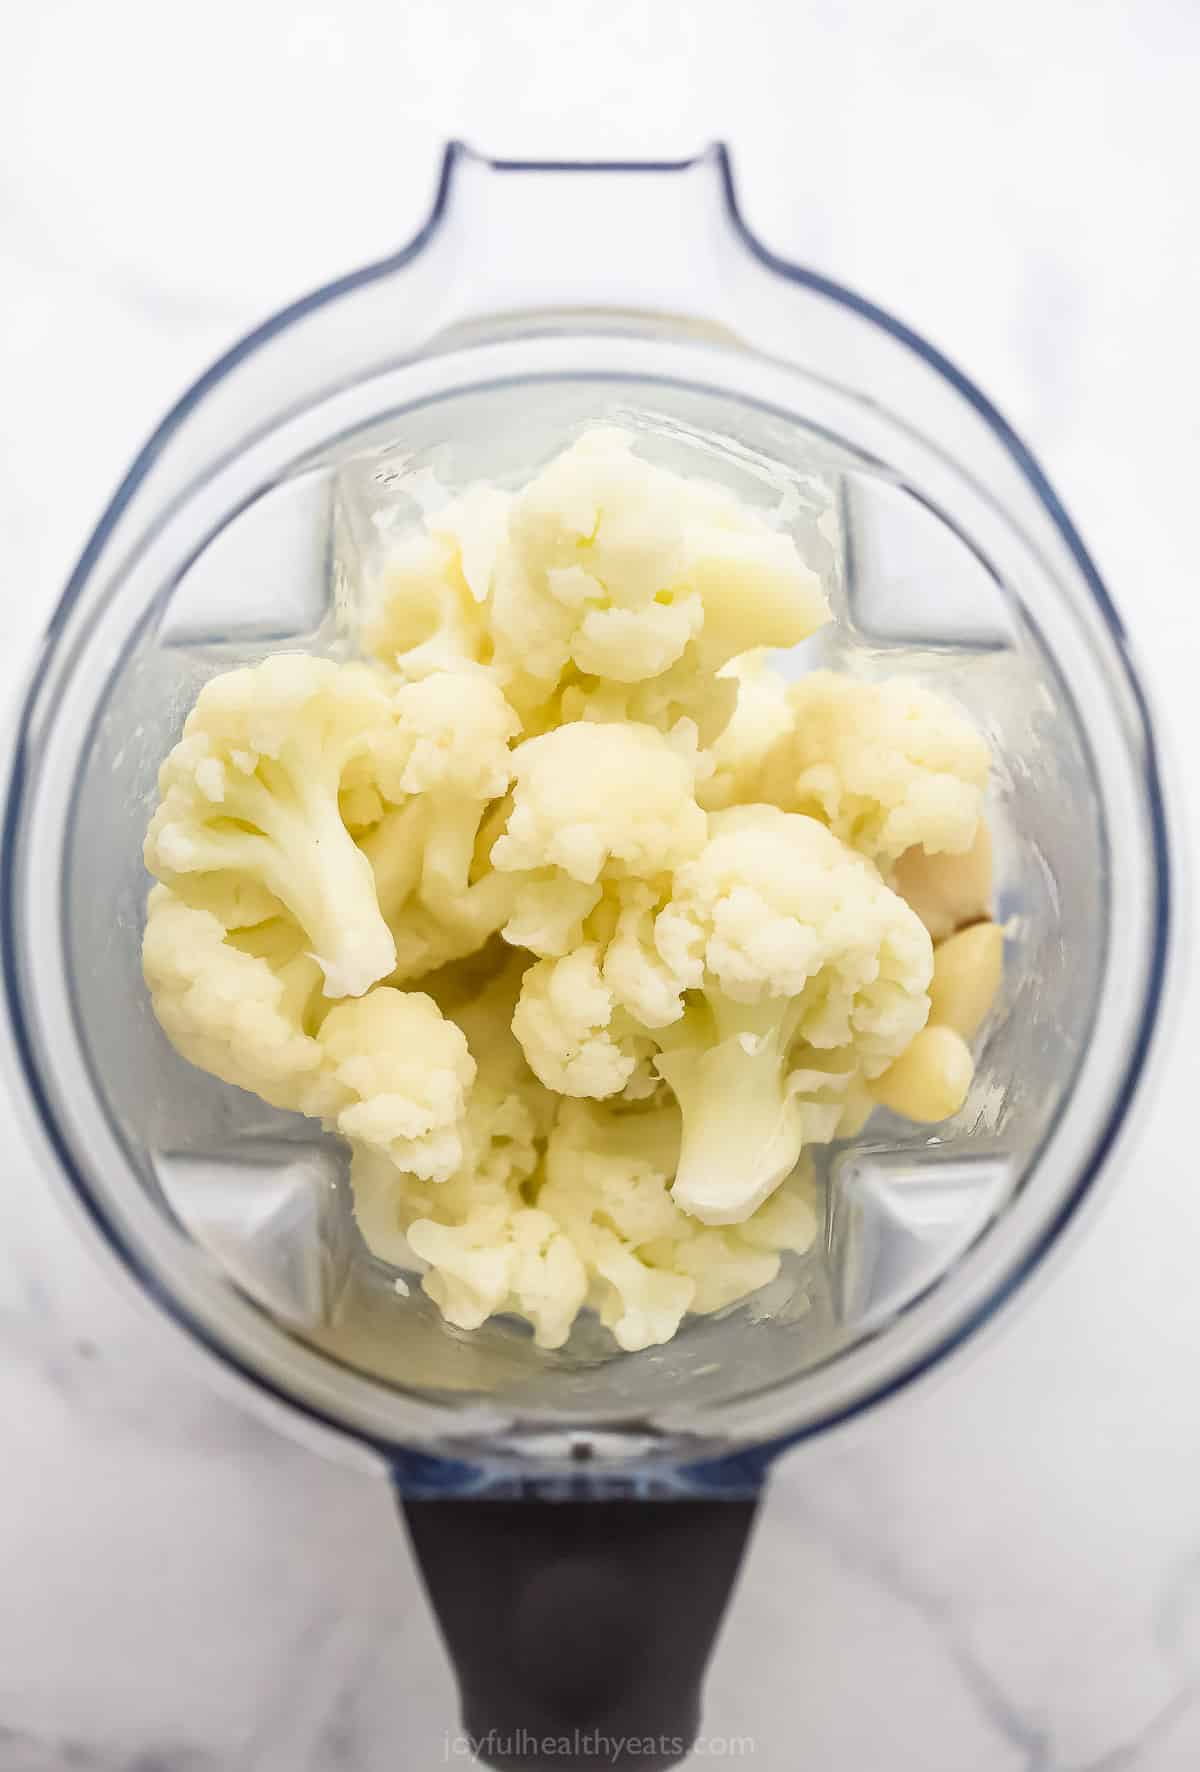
point(579, 1630)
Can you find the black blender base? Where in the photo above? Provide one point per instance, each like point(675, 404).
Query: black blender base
point(580, 1630)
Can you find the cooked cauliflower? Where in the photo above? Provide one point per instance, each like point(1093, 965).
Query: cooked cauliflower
point(586, 1013)
point(421, 615)
point(669, 917)
point(252, 789)
point(618, 567)
point(761, 718)
point(640, 980)
point(405, 1072)
point(599, 1226)
point(592, 800)
point(247, 1005)
point(484, 1247)
point(508, 1117)
point(686, 695)
point(474, 525)
point(808, 969)
point(444, 763)
point(232, 1012)
point(887, 766)
point(449, 746)
point(574, 1032)
point(583, 845)
point(607, 1184)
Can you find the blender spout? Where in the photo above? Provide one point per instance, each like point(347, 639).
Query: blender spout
point(609, 238)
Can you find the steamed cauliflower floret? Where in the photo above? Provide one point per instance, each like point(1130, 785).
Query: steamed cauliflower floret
point(428, 933)
point(421, 615)
point(634, 971)
point(685, 693)
point(424, 612)
point(596, 1224)
point(585, 1008)
point(234, 1013)
point(530, 1267)
point(441, 767)
point(474, 525)
point(760, 719)
point(592, 800)
point(502, 1236)
point(808, 969)
point(617, 567)
point(595, 863)
point(449, 745)
point(406, 1072)
point(510, 1111)
point(606, 1182)
point(252, 789)
point(246, 1004)
point(481, 1248)
point(572, 1030)
point(484, 1247)
point(885, 765)
point(550, 912)
point(608, 1176)
point(237, 903)
point(585, 1012)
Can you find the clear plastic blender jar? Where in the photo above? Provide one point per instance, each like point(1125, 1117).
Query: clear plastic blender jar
point(587, 1485)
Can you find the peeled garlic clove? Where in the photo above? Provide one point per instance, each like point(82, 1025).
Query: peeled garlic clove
point(967, 970)
point(857, 1109)
point(930, 1080)
point(947, 891)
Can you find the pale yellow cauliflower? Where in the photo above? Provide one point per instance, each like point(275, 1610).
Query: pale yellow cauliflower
point(405, 1072)
point(684, 698)
point(242, 1017)
point(760, 719)
point(573, 1031)
point(596, 861)
point(582, 1216)
point(484, 1247)
point(608, 1178)
point(422, 612)
point(780, 972)
point(592, 800)
point(573, 918)
point(247, 1005)
point(619, 569)
point(591, 863)
point(806, 969)
point(252, 788)
point(444, 762)
point(886, 765)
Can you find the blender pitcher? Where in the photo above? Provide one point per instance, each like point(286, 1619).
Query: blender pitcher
point(579, 1515)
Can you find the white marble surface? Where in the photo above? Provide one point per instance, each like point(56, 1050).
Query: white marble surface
point(1005, 1572)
